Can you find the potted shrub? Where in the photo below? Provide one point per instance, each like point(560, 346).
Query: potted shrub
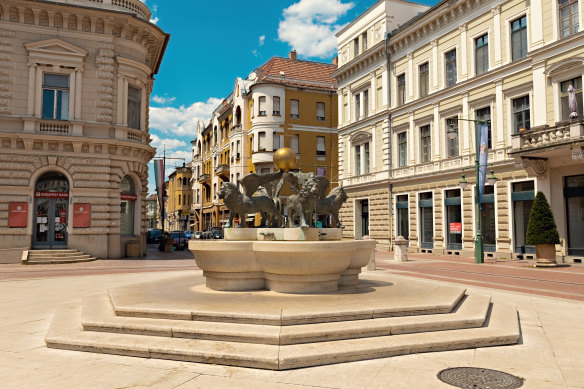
point(542, 231)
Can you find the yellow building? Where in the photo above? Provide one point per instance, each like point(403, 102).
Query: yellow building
point(509, 64)
point(284, 103)
point(180, 197)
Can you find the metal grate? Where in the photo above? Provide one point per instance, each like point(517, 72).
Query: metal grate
point(479, 378)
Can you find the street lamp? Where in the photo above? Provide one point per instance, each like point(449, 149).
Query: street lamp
point(491, 180)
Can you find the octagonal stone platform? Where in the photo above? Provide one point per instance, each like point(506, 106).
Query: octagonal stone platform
point(181, 319)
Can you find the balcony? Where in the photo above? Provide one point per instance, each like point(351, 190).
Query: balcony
point(545, 141)
point(222, 170)
point(205, 178)
point(236, 129)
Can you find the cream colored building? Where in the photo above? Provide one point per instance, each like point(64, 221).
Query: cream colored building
point(506, 62)
point(75, 81)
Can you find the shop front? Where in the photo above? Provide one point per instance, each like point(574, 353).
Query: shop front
point(51, 209)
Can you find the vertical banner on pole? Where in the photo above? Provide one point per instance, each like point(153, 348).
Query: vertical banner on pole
point(483, 147)
point(159, 179)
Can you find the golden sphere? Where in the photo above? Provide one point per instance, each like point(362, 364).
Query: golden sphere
point(285, 159)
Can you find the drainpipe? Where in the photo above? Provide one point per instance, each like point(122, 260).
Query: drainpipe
point(390, 205)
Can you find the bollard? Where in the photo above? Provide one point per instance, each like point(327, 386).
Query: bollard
point(400, 249)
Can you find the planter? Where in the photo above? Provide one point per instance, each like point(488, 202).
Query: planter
point(546, 255)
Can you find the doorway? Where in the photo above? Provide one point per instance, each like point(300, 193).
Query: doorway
point(574, 197)
point(51, 208)
point(361, 218)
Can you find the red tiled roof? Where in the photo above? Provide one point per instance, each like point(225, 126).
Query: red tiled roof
point(298, 73)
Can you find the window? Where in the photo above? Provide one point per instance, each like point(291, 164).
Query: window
point(364, 40)
point(320, 149)
point(401, 89)
point(179, 198)
point(127, 201)
point(262, 141)
point(366, 161)
point(519, 38)
point(379, 93)
point(424, 80)
point(55, 96)
point(520, 114)
point(134, 99)
point(403, 223)
point(358, 160)
point(450, 67)
point(484, 114)
point(262, 106)
point(356, 46)
point(251, 108)
point(569, 23)
point(294, 142)
point(276, 107)
point(576, 83)
point(345, 108)
point(425, 144)
point(321, 171)
point(482, 54)
point(319, 111)
point(402, 141)
point(275, 141)
point(357, 106)
point(366, 103)
point(452, 132)
point(294, 109)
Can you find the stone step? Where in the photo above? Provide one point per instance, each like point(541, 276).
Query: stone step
point(54, 261)
point(98, 315)
point(500, 328)
point(58, 256)
point(53, 251)
point(42, 257)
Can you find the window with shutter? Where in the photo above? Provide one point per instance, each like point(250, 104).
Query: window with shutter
point(320, 148)
point(319, 111)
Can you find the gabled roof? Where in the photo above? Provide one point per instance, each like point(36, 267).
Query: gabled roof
point(297, 73)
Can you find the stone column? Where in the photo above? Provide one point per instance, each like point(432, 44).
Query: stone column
point(32, 68)
point(463, 58)
point(497, 35)
point(434, 65)
point(499, 141)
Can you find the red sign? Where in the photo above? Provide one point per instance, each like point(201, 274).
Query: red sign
point(51, 195)
point(127, 196)
point(456, 228)
point(17, 215)
point(81, 215)
point(235, 221)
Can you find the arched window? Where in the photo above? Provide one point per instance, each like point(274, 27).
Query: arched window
point(128, 199)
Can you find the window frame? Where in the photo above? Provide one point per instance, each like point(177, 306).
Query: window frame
point(262, 102)
point(573, 28)
point(402, 144)
point(322, 143)
point(134, 101)
point(276, 112)
point(425, 133)
point(323, 117)
point(294, 106)
point(401, 89)
point(452, 145)
point(564, 96)
point(424, 79)
point(482, 66)
point(521, 30)
point(525, 122)
point(55, 89)
point(449, 62)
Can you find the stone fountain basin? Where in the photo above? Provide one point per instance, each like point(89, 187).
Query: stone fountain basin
point(281, 266)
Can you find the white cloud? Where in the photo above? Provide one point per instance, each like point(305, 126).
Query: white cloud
point(170, 144)
point(262, 40)
point(163, 99)
point(309, 26)
point(154, 20)
point(182, 121)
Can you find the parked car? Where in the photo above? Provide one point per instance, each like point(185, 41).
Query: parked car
point(189, 234)
point(180, 240)
point(153, 235)
point(197, 234)
point(213, 233)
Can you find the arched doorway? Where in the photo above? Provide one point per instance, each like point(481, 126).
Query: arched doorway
point(51, 208)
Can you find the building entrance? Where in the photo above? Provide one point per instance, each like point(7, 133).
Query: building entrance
point(51, 207)
point(574, 197)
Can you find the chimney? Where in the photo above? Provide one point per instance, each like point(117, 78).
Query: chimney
point(336, 61)
point(292, 55)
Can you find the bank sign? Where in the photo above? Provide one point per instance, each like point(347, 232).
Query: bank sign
point(51, 195)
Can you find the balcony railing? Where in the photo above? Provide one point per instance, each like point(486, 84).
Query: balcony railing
point(222, 169)
point(545, 137)
point(205, 178)
point(54, 127)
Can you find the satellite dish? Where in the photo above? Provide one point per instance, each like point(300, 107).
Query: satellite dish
point(252, 76)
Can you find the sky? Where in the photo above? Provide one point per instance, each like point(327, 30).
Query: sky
point(213, 42)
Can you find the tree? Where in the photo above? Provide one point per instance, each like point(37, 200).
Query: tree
point(541, 228)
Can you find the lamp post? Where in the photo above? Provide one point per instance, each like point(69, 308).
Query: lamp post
point(479, 253)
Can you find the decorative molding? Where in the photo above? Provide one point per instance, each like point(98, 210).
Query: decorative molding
point(105, 75)
point(535, 166)
point(6, 65)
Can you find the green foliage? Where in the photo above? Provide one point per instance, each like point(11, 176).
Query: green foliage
point(541, 228)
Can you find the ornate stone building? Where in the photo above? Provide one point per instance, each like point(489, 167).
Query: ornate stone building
point(507, 63)
point(75, 81)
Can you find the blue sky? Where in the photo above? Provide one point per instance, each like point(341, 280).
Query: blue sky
point(213, 42)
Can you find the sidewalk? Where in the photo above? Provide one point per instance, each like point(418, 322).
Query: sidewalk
point(548, 356)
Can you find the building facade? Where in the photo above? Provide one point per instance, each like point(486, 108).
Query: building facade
point(75, 81)
point(286, 102)
point(510, 65)
point(179, 190)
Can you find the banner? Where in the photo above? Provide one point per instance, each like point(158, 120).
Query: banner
point(17, 215)
point(159, 179)
point(81, 215)
point(483, 147)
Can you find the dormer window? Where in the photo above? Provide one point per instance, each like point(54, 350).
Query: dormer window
point(55, 96)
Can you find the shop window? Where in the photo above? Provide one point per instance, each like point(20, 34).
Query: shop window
point(452, 203)
point(134, 110)
point(574, 199)
point(482, 54)
point(55, 96)
point(519, 38)
point(450, 67)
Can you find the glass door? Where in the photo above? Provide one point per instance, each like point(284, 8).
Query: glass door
point(574, 197)
point(522, 197)
point(453, 219)
point(488, 222)
point(426, 221)
point(50, 223)
point(364, 217)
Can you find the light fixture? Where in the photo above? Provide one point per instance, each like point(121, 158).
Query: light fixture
point(184, 168)
point(491, 179)
point(452, 133)
point(462, 184)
